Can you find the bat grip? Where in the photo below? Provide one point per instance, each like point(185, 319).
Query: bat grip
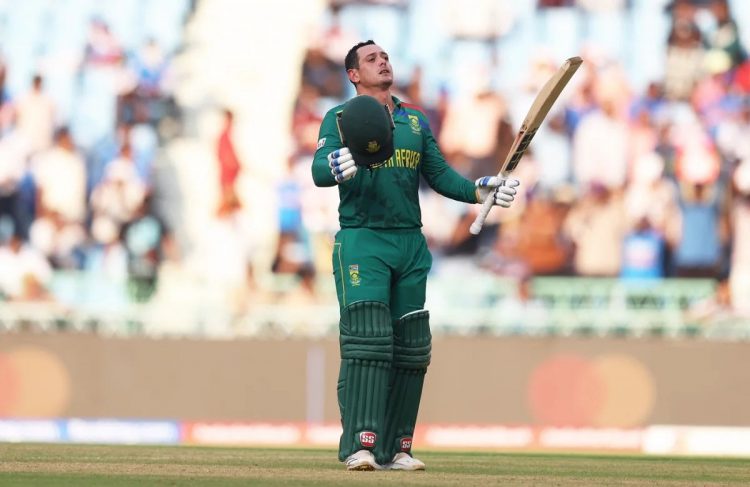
point(476, 227)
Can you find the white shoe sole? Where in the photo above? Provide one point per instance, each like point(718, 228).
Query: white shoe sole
point(396, 466)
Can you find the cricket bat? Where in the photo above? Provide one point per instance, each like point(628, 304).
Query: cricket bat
point(534, 118)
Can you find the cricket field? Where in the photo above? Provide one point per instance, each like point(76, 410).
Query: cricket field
point(104, 466)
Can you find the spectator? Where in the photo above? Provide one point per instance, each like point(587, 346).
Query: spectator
point(698, 252)
point(596, 225)
point(538, 237)
point(25, 272)
point(652, 197)
point(101, 79)
point(306, 120)
point(13, 154)
point(469, 132)
point(291, 254)
point(147, 242)
point(102, 47)
point(141, 101)
point(643, 137)
point(476, 135)
point(60, 177)
point(725, 49)
point(229, 164)
point(323, 73)
point(696, 159)
point(741, 78)
point(106, 255)
point(643, 252)
point(733, 134)
point(713, 101)
point(120, 193)
point(685, 53)
point(151, 67)
point(336, 39)
point(289, 191)
point(304, 294)
point(552, 153)
point(143, 145)
point(583, 102)
point(62, 242)
point(35, 116)
point(600, 148)
point(652, 102)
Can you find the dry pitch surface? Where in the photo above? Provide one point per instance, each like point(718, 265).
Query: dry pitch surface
point(104, 466)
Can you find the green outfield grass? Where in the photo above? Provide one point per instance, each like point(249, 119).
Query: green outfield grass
point(103, 466)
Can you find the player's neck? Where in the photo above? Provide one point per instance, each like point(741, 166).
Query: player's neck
point(383, 96)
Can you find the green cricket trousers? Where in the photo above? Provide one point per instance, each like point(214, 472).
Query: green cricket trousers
point(384, 337)
point(388, 266)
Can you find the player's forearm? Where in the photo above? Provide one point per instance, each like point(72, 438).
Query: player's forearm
point(321, 173)
point(454, 186)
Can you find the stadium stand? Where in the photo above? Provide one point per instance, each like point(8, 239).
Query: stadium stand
point(144, 86)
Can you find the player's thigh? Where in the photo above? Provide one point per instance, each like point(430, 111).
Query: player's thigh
point(359, 271)
point(408, 292)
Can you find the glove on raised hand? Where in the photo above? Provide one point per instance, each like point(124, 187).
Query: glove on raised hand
point(502, 190)
point(342, 165)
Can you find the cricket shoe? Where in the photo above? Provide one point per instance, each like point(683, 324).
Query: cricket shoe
point(362, 460)
point(404, 461)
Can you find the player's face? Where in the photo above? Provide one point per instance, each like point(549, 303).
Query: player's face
point(374, 70)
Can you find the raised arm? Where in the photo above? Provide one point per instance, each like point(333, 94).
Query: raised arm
point(332, 163)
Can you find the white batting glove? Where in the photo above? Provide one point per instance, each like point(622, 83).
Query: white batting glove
point(342, 165)
point(502, 190)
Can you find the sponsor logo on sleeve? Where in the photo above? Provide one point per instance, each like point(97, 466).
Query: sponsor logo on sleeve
point(321, 143)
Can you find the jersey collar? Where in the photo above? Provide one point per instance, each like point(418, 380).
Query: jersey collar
point(398, 110)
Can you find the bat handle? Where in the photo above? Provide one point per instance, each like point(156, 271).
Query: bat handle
point(476, 227)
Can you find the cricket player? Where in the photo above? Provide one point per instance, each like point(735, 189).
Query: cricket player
point(374, 147)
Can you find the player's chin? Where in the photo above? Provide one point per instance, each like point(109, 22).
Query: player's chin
point(386, 81)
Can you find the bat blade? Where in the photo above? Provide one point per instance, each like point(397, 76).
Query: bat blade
point(531, 123)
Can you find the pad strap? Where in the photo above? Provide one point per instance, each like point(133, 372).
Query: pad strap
point(365, 332)
point(412, 345)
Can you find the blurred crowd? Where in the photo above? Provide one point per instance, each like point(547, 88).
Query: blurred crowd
point(621, 181)
point(76, 190)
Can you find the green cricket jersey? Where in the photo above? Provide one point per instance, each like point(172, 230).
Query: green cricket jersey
point(386, 196)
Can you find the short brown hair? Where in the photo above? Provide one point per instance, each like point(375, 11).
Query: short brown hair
point(351, 61)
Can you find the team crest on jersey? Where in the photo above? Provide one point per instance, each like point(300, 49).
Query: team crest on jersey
point(414, 124)
point(373, 146)
point(321, 142)
point(354, 278)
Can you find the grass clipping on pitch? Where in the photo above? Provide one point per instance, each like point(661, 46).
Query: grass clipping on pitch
point(86, 465)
